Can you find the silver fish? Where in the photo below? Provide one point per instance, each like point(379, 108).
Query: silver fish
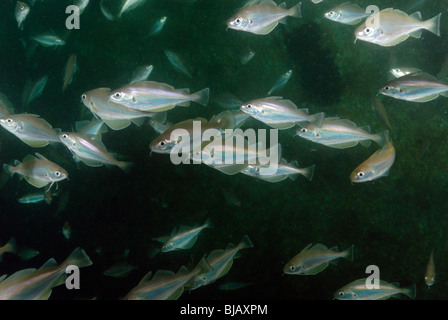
point(281, 82)
point(36, 284)
point(21, 12)
point(10, 247)
point(379, 109)
point(280, 113)
point(141, 73)
point(358, 290)
point(30, 128)
point(347, 13)
point(262, 17)
point(416, 87)
point(129, 5)
point(402, 71)
point(158, 26)
point(48, 40)
point(390, 27)
point(33, 90)
point(156, 97)
point(177, 63)
point(284, 170)
point(247, 56)
point(38, 172)
point(91, 151)
point(70, 69)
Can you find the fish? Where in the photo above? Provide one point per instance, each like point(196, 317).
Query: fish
point(116, 116)
point(94, 127)
point(129, 5)
point(48, 40)
point(119, 270)
point(175, 136)
point(376, 166)
point(26, 253)
point(33, 90)
point(106, 13)
point(158, 126)
point(221, 261)
point(81, 4)
point(340, 133)
point(37, 197)
point(415, 87)
point(21, 12)
point(70, 69)
point(284, 170)
point(430, 275)
point(358, 290)
point(37, 284)
point(316, 1)
point(158, 26)
point(261, 17)
point(177, 63)
point(66, 230)
point(184, 238)
point(9, 247)
point(30, 128)
point(37, 171)
point(156, 97)
point(141, 73)
point(402, 71)
point(347, 13)
point(379, 109)
point(247, 56)
point(91, 151)
point(315, 258)
point(165, 284)
point(6, 107)
point(281, 82)
point(390, 27)
point(280, 113)
point(234, 285)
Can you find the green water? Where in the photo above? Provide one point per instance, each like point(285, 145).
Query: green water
point(394, 222)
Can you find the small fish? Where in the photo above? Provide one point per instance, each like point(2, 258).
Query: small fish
point(227, 286)
point(106, 13)
point(48, 40)
point(316, 1)
point(221, 261)
point(91, 151)
point(81, 4)
point(129, 5)
point(66, 230)
point(119, 270)
point(38, 172)
point(376, 166)
point(10, 247)
point(166, 285)
point(247, 56)
point(358, 290)
point(21, 12)
point(30, 128)
point(379, 109)
point(261, 17)
point(36, 284)
point(177, 62)
point(156, 97)
point(70, 69)
point(33, 90)
point(280, 113)
point(281, 82)
point(415, 87)
point(158, 26)
point(32, 198)
point(340, 134)
point(347, 13)
point(430, 275)
point(402, 71)
point(390, 27)
point(284, 170)
point(141, 73)
point(184, 238)
point(26, 253)
point(314, 259)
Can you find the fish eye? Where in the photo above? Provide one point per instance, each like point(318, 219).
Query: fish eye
point(238, 21)
point(331, 13)
point(117, 95)
point(9, 120)
point(57, 173)
point(367, 30)
point(303, 130)
point(64, 136)
point(249, 106)
point(387, 88)
point(360, 174)
point(83, 97)
point(292, 268)
point(162, 143)
point(341, 294)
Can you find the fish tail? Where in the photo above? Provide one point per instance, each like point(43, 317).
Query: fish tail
point(202, 97)
point(296, 10)
point(245, 243)
point(308, 172)
point(383, 138)
point(209, 224)
point(349, 253)
point(125, 166)
point(410, 291)
point(11, 245)
point(317, 119)
point(433, 24)
point(78, 258)
point(9, 169)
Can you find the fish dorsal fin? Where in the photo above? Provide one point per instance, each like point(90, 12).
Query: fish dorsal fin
point(40, 157)
point(215, 254)
point(182, 271)
point(163, 274)
point(319, 246)
point(417, 15)
point(29, 158)
point(3, 277)
point(49, 264)
point(268, 2)
point(366, 128)
point(282, 5)
point(307, 247)
point(146, 278)
point(335, 248)
point(347, 123)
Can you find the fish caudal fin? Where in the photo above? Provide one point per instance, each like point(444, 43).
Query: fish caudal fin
point(410, 291)
point(349, 253)
point(78, 258)
point(202, 97)
point(296, 10)
point(308, 172)
point(125, 166)
point(433, 24)
point(8, 169)
point(317, 119)
point(245, 243)
point(383, 138)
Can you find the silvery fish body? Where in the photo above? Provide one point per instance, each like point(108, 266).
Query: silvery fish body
point(141, 73)
point(177, 63)
point(347, 13)
point(48, 40)
point(129, 5)
point(358, 290)
point(281, 82)
point(261, 17)
point(70, 69)
point(158, 26)
point(402, 71)
point(21, 12)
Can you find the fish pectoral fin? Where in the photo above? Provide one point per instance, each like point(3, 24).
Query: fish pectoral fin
point(267, 29)
point(416, 34)
point(317, 269)
point(91, 163)
point(176, 294)
point(46, 295)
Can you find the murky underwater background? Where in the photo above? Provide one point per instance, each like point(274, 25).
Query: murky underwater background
point(394, 222)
